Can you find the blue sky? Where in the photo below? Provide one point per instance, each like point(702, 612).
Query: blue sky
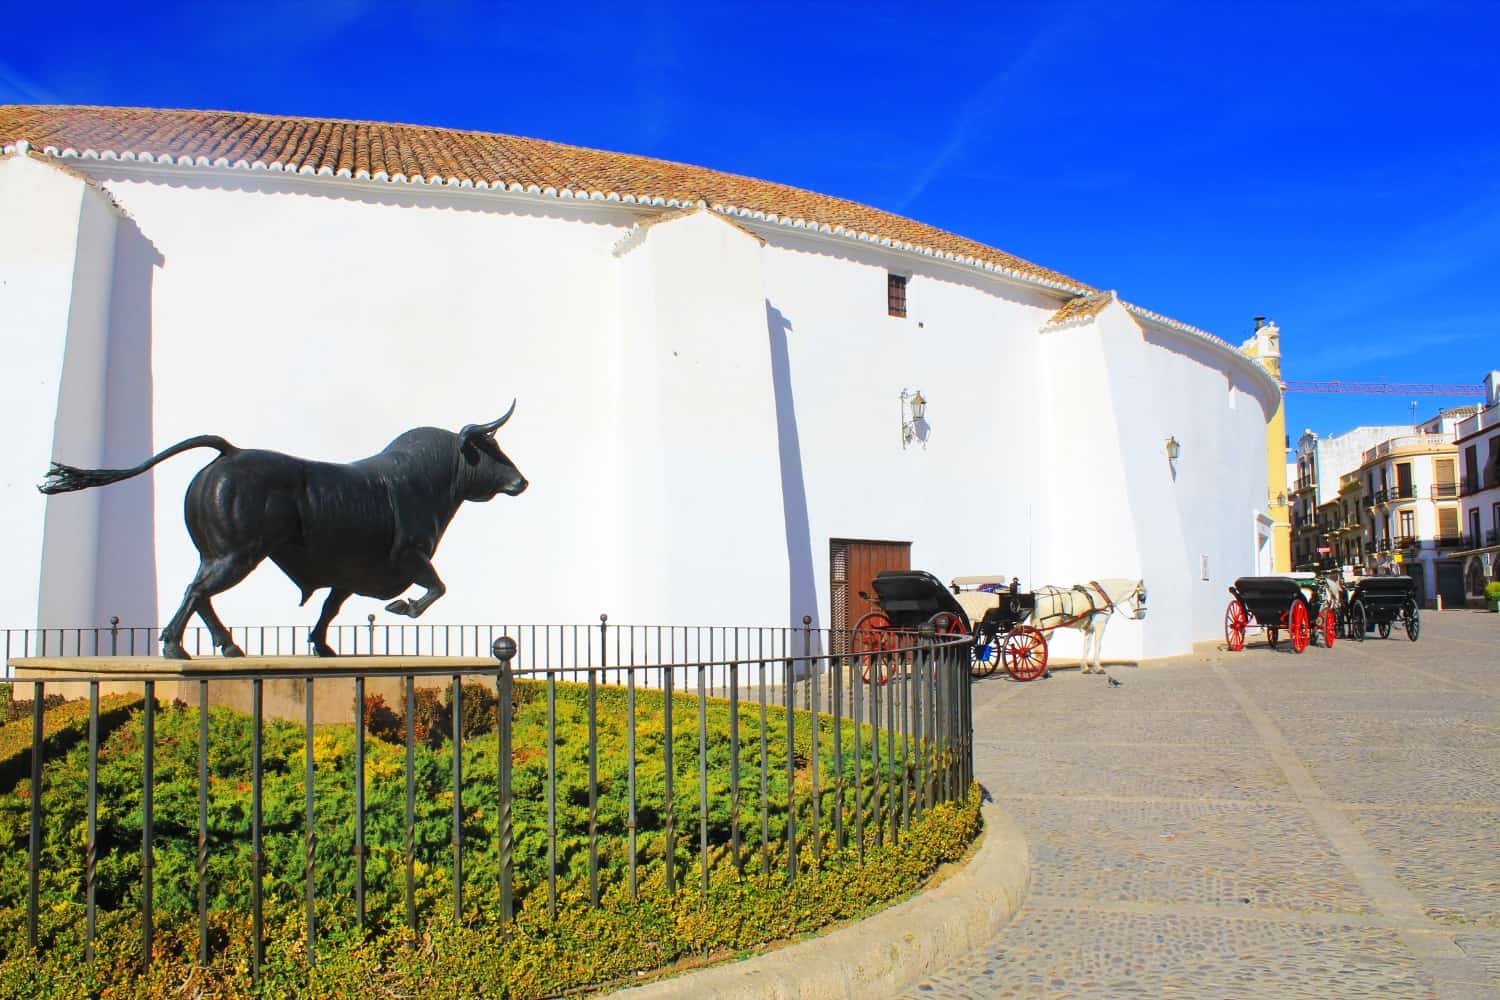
point(1333, 166)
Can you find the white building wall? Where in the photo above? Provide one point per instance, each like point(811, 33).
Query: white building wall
point(56, 255)
point(699, 412)
point(965, 493)
point(324, 323)
point(704, 518)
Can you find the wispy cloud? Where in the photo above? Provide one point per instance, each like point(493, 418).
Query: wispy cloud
point(18, 88)
point(990, 103)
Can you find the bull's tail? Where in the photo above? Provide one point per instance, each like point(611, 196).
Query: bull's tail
point(66, 478)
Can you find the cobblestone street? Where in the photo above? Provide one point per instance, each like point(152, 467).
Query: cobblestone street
point(1254, 824)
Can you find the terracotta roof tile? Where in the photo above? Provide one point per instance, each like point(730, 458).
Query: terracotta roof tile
point(438, 154)
point(1079, 310)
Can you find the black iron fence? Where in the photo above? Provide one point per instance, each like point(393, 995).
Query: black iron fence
point(795, 752)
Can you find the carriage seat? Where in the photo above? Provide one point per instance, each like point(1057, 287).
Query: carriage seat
point(976, 602)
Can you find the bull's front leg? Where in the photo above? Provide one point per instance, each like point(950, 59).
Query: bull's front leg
point(423, 575)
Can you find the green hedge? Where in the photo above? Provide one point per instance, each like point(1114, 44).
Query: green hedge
point(534, 956)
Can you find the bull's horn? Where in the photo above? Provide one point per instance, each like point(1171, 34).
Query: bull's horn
point(472, 430)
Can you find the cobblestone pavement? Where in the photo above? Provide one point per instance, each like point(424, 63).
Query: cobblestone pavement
point(1253, 824)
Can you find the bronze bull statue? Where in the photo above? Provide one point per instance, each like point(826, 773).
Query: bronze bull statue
point(369, 527)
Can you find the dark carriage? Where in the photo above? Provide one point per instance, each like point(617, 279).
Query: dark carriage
point(906, 599)
point(1382, 602)
point(1000, 613)
point(1301, 607)
point(982, 606)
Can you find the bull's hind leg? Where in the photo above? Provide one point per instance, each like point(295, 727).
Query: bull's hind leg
point(318, 637)
point(221, 635)
point(215, 576)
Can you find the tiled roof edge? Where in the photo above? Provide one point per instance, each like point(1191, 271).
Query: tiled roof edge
point(643, 200)
point(731, 212)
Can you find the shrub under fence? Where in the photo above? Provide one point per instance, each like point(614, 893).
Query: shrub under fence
point(542, 828)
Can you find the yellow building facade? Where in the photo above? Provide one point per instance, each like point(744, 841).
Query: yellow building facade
point(1265, 347)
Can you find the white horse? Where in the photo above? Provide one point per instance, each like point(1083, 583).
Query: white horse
point(1088, 607)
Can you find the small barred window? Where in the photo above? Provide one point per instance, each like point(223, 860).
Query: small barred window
point(895, 294)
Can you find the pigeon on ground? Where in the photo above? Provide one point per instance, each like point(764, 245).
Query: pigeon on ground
point(1113, 683)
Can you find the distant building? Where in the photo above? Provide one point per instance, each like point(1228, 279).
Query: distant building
point(1478, 447)
point(1383, 500)
point(1411, 506)
point(1320, 462)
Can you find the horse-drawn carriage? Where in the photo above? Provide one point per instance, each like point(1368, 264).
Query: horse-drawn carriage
point(1001, 635)
point(909, 599)
point(1302, 607)
point(1009, 627)
point(1381, 601)
point(906, 600)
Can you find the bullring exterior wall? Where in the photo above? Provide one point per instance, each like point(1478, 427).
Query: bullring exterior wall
point(703, 404)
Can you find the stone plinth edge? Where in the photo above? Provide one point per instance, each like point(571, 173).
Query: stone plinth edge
point(885, 953)
point(42, 667)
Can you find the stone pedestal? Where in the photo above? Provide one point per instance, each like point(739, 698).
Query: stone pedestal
point(283, 679)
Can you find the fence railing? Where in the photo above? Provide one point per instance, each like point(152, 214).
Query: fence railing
point(794, 752)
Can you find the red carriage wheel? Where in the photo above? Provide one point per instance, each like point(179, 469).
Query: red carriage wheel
point(1300, 627)
point(947, 623)
point(1330, 626)
point(1234, 626)
point(1024, 652)
point(871, 643)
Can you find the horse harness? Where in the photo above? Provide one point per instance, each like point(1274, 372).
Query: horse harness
point(1094, 609)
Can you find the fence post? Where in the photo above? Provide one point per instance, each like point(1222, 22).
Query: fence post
point(458, 799)
point(593, 711)
point(33, 863)
point(359, 795)
point(148, 833)
point(812, 714)
point(504, 649)
point(114, 635)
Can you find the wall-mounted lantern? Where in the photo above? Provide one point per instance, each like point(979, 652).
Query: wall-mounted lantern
point(913, 410)
point(1173, 449)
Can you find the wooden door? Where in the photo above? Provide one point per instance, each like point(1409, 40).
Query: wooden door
point(853, 564)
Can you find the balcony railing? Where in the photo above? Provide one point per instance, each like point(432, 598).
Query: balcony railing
point(1444, 491)
point(1408, 542)
point(1406, 492)
point(1380, 497)
point(1432, 442)
point(1384, 545)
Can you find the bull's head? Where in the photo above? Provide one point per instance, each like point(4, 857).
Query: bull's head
point(490, 472)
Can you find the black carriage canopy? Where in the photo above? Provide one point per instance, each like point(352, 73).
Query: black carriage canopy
point(911, 596)
point(1384, 589)
point(1266, 597)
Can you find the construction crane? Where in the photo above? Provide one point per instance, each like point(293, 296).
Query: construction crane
point(1388, 388)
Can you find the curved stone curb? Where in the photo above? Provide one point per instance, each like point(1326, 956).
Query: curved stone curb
point(892, 949)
